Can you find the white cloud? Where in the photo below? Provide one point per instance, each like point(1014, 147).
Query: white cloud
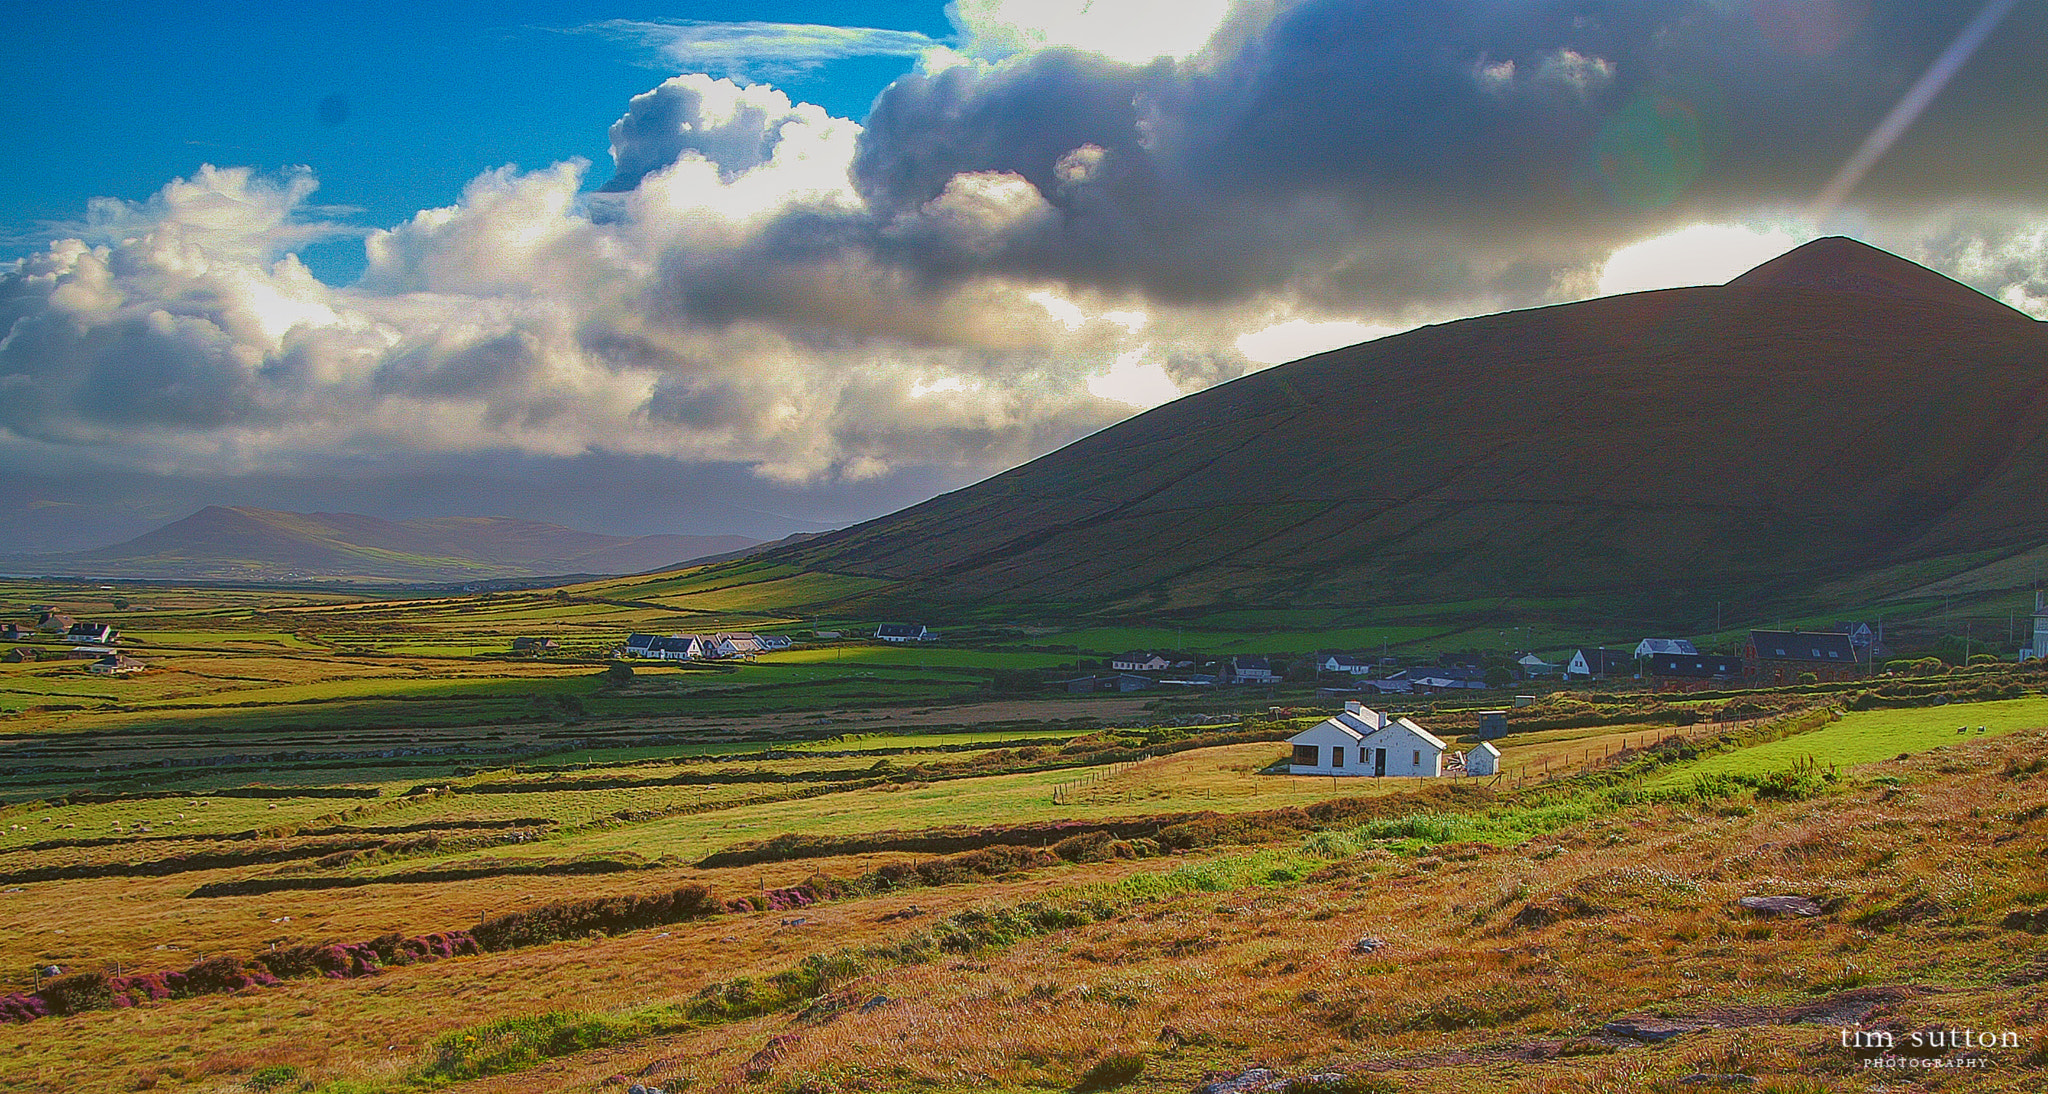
point(1132, 31)
point(761, 49)
point(1294, 339)
point(1703, 254)
point(1134, 381)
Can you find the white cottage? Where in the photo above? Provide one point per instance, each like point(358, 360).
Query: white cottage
point(1484, 759)
point(1362, 741)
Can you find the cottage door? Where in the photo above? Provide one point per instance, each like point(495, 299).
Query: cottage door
point(1379, 761)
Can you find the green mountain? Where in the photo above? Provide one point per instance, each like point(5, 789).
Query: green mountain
point(1838, 423)
point(246, 544)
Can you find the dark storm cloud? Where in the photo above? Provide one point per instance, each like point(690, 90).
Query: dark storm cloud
point(1354, 146)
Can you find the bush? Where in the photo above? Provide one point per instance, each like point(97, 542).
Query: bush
point(273, 1077)
point(77, 993)
point(1113, 1070)
point(600, 915)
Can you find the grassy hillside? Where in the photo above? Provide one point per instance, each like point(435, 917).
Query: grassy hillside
point(1841, 416)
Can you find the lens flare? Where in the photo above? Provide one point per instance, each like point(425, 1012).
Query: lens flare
point(1910, 107)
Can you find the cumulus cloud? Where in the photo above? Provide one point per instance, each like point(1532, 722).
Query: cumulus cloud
point(1020, 247)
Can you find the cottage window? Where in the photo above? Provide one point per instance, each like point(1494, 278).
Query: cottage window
point(1337, 756)
point(1305, 755)
point(1418, 757)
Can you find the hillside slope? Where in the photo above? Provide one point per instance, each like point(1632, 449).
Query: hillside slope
point(1833, 413)
point(234, 543)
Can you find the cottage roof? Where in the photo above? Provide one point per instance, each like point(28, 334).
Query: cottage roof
point(1803, 646)
point(1700, 666)
point(1253, 662)
point(1364, 722)
point(1650, 647)
point(1603, 661)
point(899, 630)
point(1486, 747)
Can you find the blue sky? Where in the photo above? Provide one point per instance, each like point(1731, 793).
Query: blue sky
point(365, 258)
point(113, 100)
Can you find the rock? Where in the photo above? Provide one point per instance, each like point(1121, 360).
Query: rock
point(1703, 1079)
point(1780, 905)
point(1651, 1030)
point(53, 970)
point(876, 1003)
point(1238, 1084)
point(1368, 944)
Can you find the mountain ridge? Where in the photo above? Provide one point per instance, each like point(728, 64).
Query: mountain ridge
point(1834, 413)
point(247, 543)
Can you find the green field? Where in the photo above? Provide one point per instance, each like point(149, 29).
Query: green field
point(1869, 736)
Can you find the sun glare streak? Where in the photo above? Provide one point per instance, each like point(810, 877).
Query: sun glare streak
point(1910, 107)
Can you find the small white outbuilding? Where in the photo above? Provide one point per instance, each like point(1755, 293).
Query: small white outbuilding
point(1362, 741)
point(1484, 759)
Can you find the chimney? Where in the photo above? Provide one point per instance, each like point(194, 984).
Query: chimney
point(1353, 706)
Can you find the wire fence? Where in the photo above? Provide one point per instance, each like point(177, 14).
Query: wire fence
point(1063, 793)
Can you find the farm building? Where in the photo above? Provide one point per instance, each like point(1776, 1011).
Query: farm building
point(906, 632)
point(1251, 670)
point(533, 645)
point(115, 664)
point(1351, 663)
point(1599, 664)
point(1776, 658)
point(1484, 759)
point(1363, 741)
point(91, 634)
point(674, 647)
point(19, 654)
point(1698, 672)
point(1115, 681)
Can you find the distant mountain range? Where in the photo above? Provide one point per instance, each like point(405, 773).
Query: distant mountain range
point(1839, 423)
point(221, 543)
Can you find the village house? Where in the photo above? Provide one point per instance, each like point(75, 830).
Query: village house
point(19, 654)
point(1437, 679)
point(772, 642)
point(1350, 663)
point(1777, 658)
point(1251, 670)
point(674, 647)
point(1599, 664)
point(1140, 662)
point(1650, 647)
point(1533, 666)
point(533, 646)
point(906, 632)
point(1698, 672)
point(1363, 741)
point(115, 664)
point(54, 622)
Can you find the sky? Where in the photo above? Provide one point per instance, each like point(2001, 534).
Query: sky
point(764, 267)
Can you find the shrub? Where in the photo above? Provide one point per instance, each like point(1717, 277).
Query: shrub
point(1086, 847)
point(1113, 1070)
point(273, 1077)
point(78, 992)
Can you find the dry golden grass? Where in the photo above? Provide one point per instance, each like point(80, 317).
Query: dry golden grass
point(1501, 965)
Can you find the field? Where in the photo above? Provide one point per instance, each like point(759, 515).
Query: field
point(854, 867)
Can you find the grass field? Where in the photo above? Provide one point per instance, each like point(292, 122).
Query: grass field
point(1862, 737)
